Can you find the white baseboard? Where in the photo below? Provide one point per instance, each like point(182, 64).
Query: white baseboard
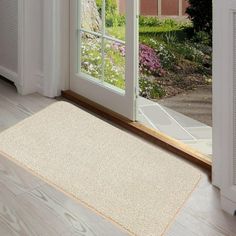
point(8, 74)
point(228, 205)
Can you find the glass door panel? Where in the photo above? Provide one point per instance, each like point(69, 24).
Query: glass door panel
point(101, 50)
point(104, 63)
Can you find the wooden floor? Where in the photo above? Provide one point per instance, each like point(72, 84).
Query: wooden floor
point(28, 206)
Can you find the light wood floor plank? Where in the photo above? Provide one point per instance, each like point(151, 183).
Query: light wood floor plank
point(21, 219)
point(29, 104)
point(180, 230)
point(202, 214)
point(74, 215)
point(17, 180)
point(9, 114)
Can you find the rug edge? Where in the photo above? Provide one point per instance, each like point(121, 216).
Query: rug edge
point(60, 189)
point(182, 205)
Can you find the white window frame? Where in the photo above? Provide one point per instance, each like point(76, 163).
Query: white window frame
point(109, 96)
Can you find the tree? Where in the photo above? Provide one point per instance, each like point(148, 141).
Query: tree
point(200, 12)
point(90, 16)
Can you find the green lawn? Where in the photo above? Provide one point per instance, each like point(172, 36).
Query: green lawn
point(117, 32)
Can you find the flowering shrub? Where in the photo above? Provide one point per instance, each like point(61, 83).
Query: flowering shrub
point(91, 58)
point(167, 57)
point(114, 61)
point(114, 65)
point(114, 71)
point(118, 47)
point(190, 52)
point(149, 89)
point(149, 62)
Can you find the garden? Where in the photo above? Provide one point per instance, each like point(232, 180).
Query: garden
point(174, 55)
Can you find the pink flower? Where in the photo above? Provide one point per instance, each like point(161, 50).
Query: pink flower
point(149, 62)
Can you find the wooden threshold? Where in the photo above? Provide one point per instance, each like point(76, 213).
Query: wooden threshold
point(149, 134)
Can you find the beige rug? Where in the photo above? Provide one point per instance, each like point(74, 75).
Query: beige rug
point(137, 185)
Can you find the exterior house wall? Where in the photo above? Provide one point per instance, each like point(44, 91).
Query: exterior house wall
point(121, 6)
point(149, 7)
point(185, 4)
point(159, 7)
point(170, 7)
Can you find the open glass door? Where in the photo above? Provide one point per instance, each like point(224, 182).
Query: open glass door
point(104, 60)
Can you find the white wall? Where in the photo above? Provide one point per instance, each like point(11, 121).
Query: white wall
point(34, 45)
point(8, 38)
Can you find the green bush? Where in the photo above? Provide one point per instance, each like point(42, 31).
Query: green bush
point(202, 37)
point(189, 52)
point(150, 90)
point(117, 32)
point(99, 6)
point(155, 21)
point(111, 6)
point(113, 18)
point(200, 13)
point(171, 22)
point(166, 55)
point(165, 30)
point(149, 21)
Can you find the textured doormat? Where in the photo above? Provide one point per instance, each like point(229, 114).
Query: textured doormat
point(136, 185)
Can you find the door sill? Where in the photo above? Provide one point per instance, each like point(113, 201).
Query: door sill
point(145, 132)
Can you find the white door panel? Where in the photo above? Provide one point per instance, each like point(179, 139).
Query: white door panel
point(90, 49)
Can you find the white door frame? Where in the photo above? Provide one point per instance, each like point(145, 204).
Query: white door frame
point(218, 103)
point(29, 73)
point(224, 99)
point(43, 47)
